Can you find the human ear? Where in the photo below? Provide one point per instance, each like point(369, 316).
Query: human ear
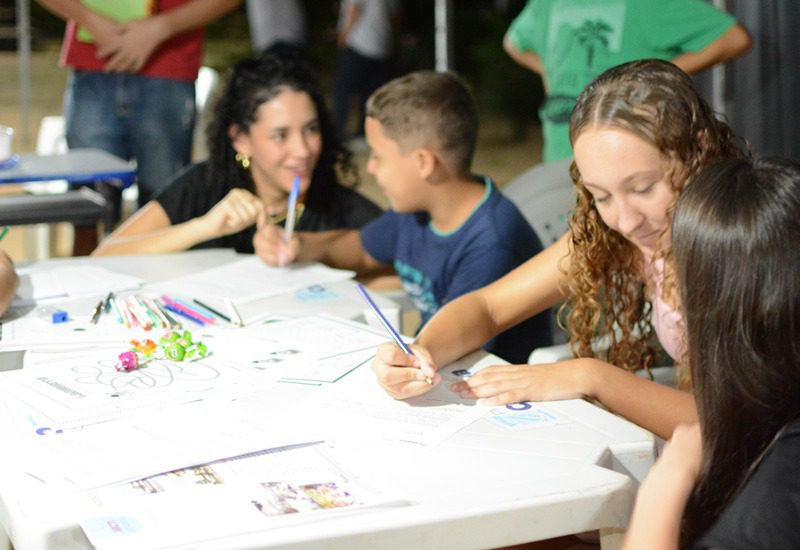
point(239, 139)
point(425, 161)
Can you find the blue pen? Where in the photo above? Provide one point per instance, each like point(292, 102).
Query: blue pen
point(386, 324)
point(291, 208)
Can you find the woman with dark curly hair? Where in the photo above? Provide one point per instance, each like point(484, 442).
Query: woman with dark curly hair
point(640, 132)
point(269, 127)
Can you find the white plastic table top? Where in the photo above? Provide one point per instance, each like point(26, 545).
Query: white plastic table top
point(490, 485)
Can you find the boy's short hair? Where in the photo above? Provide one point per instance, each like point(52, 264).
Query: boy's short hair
point(429, 109)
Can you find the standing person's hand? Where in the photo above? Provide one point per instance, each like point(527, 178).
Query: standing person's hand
point(238, 210)
point(403, 375)
point(105, 32)
point(133, 45)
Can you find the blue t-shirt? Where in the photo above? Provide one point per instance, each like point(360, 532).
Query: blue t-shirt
point(437, 267)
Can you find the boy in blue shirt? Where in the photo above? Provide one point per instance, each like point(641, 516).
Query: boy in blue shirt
point(447, 232)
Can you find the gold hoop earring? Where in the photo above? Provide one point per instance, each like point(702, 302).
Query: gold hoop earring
point(242, 160)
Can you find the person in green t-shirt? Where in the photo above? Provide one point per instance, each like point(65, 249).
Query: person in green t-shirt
point(569, 42)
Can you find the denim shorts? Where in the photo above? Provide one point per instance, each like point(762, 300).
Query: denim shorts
point(134, 117)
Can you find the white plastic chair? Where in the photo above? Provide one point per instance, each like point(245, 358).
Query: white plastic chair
point(545, 195)
point(204, 86)
point(51, 140)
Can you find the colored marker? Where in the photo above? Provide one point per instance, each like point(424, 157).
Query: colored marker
point(211, 310)
point(181, 305)
point(98, 310)
point(184, 314)
point(387, 325)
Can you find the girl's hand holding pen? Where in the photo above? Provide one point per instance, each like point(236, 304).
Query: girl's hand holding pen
point(402, 375)
point(270, 245)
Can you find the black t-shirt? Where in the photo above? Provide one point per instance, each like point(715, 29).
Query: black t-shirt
point(189, 195)
point(766, 514)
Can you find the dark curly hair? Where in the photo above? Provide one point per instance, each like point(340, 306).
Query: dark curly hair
point(249, 84)
point(657, 102)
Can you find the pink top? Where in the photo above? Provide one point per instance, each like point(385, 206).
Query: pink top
point(667, 322)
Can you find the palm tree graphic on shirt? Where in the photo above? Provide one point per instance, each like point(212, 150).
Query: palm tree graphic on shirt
point(591, 35)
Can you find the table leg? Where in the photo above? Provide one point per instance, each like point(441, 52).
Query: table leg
point(85, 240)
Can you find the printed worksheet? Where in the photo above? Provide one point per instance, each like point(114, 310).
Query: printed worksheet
point(149, 443)
point(79, 388)
point(260, 491)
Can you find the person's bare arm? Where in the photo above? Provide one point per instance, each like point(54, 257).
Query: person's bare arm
point(128, 46)
point(9, 282)
point(651, 405)
point(103, 29)
point(350, 21)
point(660, 503)
point(468, 322)
point(340, 248)
point(527, 59)
point(150, 231)
point(733, 43)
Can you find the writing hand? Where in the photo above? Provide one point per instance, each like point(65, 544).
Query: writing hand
point(402, 375)
point(270, 245)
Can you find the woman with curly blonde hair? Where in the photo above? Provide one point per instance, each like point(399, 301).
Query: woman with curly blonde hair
point(639, 132)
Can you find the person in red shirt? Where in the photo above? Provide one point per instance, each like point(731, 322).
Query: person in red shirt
point(131, 87)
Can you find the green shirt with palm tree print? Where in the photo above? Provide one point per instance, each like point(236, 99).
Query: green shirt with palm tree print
point(579, 39)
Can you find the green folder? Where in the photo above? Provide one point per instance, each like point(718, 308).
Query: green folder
point(119, 10)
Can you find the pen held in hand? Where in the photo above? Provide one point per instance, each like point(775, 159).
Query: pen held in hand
point(291, 209)
point(386, 324)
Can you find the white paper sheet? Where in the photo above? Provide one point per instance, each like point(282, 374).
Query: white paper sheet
point(358, 408)
point(250, 279)
point(147, 444)
point(61, 282)
point(262, 491)
point(74, 389)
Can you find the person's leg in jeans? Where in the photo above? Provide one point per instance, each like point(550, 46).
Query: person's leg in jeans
point(346, 78)
point(94, 118)
point(161, 131)
point(374, 74)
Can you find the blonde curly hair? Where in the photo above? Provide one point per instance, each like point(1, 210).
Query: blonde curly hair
point(657, 102)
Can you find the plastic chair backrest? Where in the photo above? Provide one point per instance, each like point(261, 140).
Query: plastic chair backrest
point(545, 195)
point(52, 137)
point(207, 80)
